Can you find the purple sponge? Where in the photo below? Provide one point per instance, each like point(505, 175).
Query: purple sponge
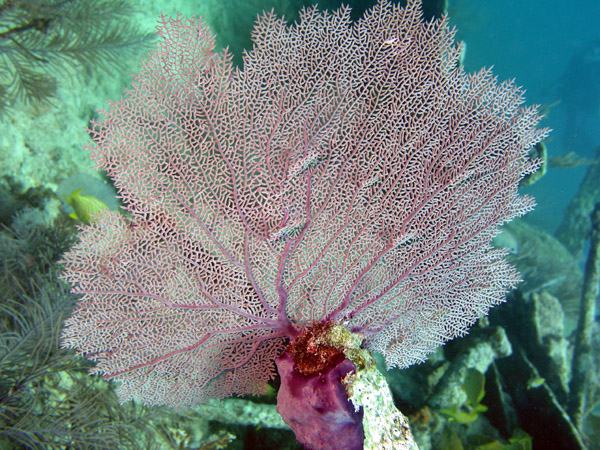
point(316, 406)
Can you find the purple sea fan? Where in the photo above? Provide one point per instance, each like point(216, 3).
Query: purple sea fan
point(348, 173)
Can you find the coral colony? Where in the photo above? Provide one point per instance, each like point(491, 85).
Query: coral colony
point(335, 195)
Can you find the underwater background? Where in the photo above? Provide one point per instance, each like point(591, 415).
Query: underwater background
point(504, 386)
